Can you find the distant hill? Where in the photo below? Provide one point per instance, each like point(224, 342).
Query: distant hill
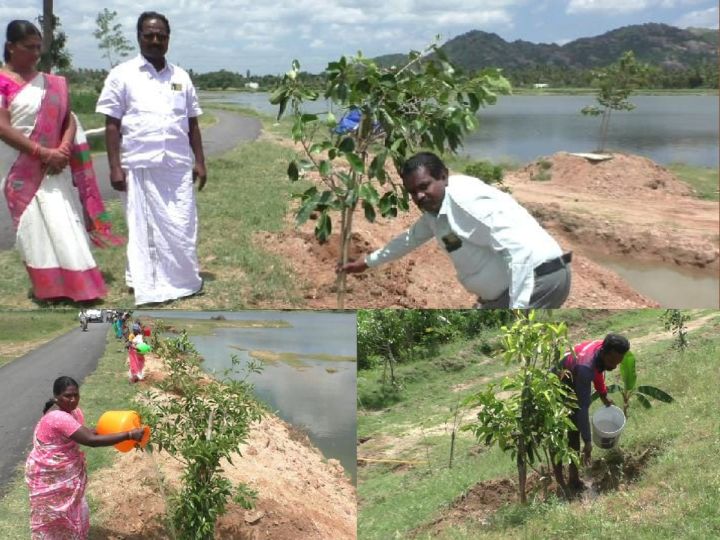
point(658, 44)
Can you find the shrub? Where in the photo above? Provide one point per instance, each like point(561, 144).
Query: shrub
point(486, 171)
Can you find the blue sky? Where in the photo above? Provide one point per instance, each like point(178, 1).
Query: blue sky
point(264, 36)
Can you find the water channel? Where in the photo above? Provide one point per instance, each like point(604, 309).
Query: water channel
point(309, 373)
point(672, 287)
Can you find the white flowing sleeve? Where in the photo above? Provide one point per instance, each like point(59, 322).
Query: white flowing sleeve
point(402, 244)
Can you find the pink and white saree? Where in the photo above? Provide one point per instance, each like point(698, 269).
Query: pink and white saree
point(56, 475)
point(50, 223)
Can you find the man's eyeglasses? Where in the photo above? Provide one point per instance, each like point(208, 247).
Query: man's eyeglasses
point(151, 36)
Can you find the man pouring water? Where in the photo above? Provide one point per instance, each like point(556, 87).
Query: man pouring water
point(582, 367)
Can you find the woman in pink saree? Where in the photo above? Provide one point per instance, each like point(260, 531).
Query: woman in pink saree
point(55, 469)
point(45, 171)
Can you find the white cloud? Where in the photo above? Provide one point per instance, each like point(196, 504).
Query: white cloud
point(265, 36)
point(614, 7)
point(704, 18)
point(609, 6)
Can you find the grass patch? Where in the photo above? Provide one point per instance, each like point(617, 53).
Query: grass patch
point(105, 389)
point(704, 180)
point(207, 327)
point(294, 359)
point(21, 332)
point(677, 497)
point(248, 193)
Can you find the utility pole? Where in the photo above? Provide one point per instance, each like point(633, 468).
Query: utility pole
point(47, 31)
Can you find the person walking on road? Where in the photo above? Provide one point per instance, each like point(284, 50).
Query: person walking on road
point(152, 134)
point(55, 470)
point(499, 251)
point(581, 367)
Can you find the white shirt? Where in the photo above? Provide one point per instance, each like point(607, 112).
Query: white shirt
point(494, 243)
point(154, 109)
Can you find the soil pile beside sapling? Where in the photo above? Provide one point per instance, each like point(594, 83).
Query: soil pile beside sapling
point(627, 206)
point(425, 278)
point(300, 494)
point(622, 176)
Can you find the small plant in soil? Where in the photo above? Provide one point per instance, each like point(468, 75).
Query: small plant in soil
point(200, 421)
point(532, 424)
point(674, 320)
point(389, 114)
point(630, 389)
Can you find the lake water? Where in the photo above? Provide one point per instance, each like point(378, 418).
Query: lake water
point(520, 129)
point(315, 390)
point(671, 286)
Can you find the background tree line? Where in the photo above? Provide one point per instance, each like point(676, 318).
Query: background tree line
point(411, 334)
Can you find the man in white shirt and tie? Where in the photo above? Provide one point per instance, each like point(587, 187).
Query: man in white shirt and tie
point(500, 252)
point(155, 153)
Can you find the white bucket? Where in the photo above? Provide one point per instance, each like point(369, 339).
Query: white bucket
point(607, 424)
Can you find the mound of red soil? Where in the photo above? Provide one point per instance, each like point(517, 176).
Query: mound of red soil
point(622, 176)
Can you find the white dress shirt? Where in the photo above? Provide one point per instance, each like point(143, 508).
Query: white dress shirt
point(494, 243)
point(154, 108)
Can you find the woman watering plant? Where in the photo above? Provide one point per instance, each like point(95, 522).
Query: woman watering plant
point(55, 470)
point(44, 158)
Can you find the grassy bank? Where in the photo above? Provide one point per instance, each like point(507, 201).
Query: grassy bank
point(247, 195)
point(703, 179)
point(105, 389)
point(21, 332)
point(676, 497)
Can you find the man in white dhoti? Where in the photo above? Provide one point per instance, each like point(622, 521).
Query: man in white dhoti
point(151, 127)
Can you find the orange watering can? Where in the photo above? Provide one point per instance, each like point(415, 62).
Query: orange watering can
point(119, 421)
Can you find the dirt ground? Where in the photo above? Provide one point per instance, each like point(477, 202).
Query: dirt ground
point(300, 494)
point(627, 206)
point(477, 505)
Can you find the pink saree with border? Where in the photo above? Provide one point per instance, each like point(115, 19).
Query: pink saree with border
point(52, 229)
point(56, 476)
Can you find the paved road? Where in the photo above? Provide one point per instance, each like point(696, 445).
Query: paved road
point(230, 130)
point(26, 384)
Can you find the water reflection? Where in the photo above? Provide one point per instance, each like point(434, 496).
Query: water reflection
point(309, 376)
point(665, 129)
point(671, 287)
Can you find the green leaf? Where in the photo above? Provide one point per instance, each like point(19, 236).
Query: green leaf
point(643, 401)
point(293, 172)
point(310, 198)
point(355, 162)
point(627, 371)
point(323, 227)
point(317, 148)
point(325, 169)
point(370, 194)
point(347, 145)
point(307, 118)
point(369, 211)
point(278, 95)
point(655, 393)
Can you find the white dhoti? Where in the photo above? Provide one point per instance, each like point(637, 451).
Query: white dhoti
point(162, 234)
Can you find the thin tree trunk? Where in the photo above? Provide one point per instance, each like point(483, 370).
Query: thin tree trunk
point(345, 237)
point(522, 472)
point(452, 448)
point(392, 367)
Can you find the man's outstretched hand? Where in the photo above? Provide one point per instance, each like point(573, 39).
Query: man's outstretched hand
point(353, 267)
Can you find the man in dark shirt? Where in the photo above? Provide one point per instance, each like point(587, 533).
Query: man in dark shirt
point(580, 368)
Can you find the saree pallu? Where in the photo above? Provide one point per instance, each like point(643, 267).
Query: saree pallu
point(50, 228)
point(56, 477)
